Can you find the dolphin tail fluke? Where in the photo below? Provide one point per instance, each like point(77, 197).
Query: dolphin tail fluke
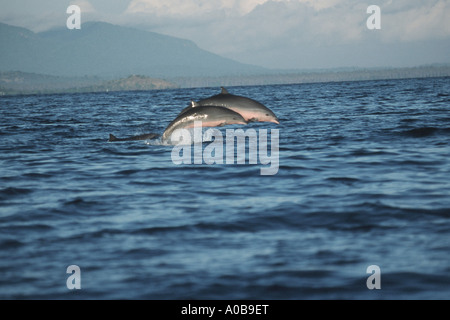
point(112, 137)
point(224, 91)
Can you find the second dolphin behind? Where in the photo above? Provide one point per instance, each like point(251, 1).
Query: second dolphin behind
point(249, 109)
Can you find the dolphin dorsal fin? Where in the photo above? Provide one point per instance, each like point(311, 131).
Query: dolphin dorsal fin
point(194, 104)
point(224, 91)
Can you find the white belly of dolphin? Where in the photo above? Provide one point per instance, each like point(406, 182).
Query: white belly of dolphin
point(210, 116)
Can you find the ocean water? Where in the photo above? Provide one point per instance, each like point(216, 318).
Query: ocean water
point(363, 179)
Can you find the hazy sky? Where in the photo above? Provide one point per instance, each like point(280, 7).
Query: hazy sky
point(271, 33)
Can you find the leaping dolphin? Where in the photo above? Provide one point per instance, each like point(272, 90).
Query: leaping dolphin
point(210, 116)
point(147, 136)
point(249, 109)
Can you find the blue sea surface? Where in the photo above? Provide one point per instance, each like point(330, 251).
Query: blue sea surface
point(363, 179)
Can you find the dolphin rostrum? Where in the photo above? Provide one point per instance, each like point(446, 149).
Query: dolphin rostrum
point(249, 109)
point(210, 116)
point(147, 136)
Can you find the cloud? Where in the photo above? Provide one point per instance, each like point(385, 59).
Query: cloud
point(274, 33)
point(192, 8)
point(293, 32)
point(402, 19)
point(424, 20)
point(85, 6)
point(198, 7)
point(42, 15)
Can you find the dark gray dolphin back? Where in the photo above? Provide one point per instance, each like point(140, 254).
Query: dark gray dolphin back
point(247, 107)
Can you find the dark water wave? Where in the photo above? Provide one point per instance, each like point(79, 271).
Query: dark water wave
point(362, 180)
point(11, 192)
point(426, 132)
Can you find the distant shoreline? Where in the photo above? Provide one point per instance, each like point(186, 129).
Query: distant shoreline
point(21, 83)
point(315, 76)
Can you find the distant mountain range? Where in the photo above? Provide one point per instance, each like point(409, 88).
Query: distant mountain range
point(16, 82)
point(105, 57)
point(109, 51)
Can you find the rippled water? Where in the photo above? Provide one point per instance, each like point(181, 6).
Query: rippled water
point(364, 179)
